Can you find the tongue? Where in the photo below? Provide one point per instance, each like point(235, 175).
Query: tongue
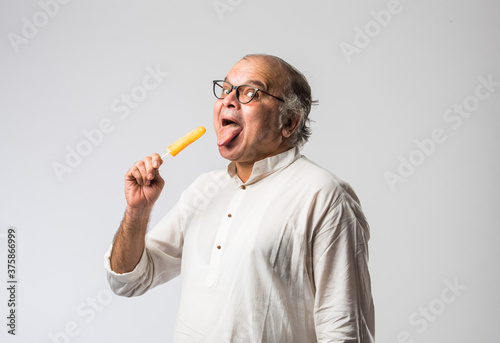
point(227, 133)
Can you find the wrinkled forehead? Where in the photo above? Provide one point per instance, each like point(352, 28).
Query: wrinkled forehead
point(258, 71)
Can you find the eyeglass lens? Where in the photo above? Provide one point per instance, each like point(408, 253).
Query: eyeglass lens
point(244, 93)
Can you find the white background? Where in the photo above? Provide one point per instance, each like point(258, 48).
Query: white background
point(438, 226)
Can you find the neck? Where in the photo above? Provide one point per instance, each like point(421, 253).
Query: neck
point(244, 169)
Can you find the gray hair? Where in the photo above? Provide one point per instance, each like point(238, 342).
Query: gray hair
point(296, 93)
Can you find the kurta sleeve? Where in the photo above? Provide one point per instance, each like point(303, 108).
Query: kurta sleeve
point(343, 307)
point(162, 256)
point(160, 261)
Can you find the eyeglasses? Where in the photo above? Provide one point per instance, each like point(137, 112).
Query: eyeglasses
point(244, 93)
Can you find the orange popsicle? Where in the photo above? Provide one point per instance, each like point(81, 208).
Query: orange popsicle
point(180, 144)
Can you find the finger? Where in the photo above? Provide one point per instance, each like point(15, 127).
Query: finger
point(157, 161)
point(134, 174)
point(148, 165)
point(143, 172)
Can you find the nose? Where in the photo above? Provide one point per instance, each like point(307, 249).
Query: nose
point(230, 100)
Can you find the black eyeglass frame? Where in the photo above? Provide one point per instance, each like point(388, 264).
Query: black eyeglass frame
point(215, 83)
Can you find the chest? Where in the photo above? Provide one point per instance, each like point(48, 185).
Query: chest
point(248, 233)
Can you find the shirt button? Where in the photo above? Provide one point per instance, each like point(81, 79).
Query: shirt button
point(229, 215)
point(219, 247)
point(243, 187)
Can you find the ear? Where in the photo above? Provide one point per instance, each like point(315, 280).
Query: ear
point(290, 125)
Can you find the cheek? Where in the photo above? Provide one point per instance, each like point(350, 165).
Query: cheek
point(264, 132)
point(215, 116)
point(269, 125)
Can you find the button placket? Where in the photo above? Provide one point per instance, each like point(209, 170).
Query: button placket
point(214, 268)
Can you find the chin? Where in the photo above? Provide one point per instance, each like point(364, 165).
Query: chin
point(229, 153)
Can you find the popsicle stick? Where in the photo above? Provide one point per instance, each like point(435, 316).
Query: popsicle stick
point(168, 153)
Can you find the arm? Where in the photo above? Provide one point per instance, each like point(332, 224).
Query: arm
point(143, 186)
point(343, 304)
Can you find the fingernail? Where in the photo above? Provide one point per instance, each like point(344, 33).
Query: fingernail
point(150, 176)
point(147, 182)
point(155, 164)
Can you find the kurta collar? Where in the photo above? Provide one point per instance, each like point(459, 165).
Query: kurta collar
point(263, 168)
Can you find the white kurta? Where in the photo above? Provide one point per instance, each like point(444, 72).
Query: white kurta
point(280, 258)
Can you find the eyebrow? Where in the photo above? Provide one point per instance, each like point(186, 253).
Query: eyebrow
point(257, 83)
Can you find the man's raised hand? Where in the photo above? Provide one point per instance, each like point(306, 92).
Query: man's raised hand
point(143, 183)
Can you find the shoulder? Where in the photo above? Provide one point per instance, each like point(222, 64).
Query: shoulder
point(322, 182)
point(206, 183)
point(333, 199)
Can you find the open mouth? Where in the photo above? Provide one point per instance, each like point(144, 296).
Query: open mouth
point(228, 132)
point(226, 122)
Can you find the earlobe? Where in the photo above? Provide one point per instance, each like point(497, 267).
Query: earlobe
point(286, 129)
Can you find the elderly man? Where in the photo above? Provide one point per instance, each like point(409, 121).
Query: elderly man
point(272, 250)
